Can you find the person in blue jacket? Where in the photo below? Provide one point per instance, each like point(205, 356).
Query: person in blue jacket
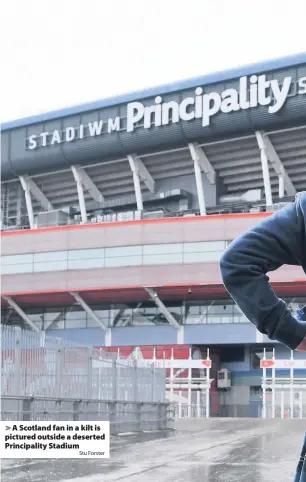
point(277, 240)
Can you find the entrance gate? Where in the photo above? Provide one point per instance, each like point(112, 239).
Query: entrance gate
point(283, 397)
point(189, 395)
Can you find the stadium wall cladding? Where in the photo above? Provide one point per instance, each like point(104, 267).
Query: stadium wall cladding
point(265, 100)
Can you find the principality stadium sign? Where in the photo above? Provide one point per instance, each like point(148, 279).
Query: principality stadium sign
point(252, 92)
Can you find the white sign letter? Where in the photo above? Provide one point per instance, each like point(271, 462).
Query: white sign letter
point(280, 94)
point(135, 112)
point(211, 105)
point(184, 115)
point(70, 134)
point(302, 85)
point(56, 138)
point(230, 102)
point(95, 128)
point(32, 142)
point(44, 136)
point(113, 124)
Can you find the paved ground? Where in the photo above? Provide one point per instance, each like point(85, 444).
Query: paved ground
point(226, 450)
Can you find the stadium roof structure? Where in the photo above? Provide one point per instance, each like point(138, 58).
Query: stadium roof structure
point(136, 294)
point(212, 78)
point(246, 149)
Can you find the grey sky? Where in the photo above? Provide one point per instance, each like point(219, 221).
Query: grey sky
point(57, 53)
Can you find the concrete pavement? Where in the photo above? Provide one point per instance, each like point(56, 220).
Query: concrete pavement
point(213, 450)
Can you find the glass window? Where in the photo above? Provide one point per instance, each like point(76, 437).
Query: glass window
point(148, 310)
point(175, 311)
point(38, 319)
point(54, 320)
point(140, 318)
point(204, 246)
point(75, 314)
point(82, 254)
point(202, 257)
point(163, 259)
point(123, 261)
point(50, 266)
point(17, 268)
point(91, 323)
point(86, 263)
point(50, 256)
point(103, 315)
point(162, 248)
point(76, 322)
point(17, 259)
point(220, 312)
point(178, 310)
point(113, 314)
point(197, 313)
point(123, 251)
point(124, 318)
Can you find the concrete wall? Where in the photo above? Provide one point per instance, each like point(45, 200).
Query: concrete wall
point(237, 395)
point(181, 230)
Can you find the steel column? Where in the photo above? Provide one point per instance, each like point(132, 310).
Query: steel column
point(265, 169)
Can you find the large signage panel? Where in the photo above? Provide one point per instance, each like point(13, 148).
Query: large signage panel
point(283, 364)
point(252, 92)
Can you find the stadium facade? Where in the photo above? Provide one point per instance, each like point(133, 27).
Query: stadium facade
point(114, 215)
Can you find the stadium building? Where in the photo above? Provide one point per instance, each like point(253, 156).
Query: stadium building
point(114, 216)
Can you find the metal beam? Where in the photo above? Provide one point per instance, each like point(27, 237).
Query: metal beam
point(136, 178)
point(78, 179)
point(154, 296)
point(55, 320)
point(28, 199)
point(19, 204)
point(208, 308)
point(28, 184)
point(117, 318)
point(198, 155)
point(21, 313)
point(265, 167)
point(137, 164)
point(88, 310)
point(285, 182)
point(89, 184)
point(201, 163)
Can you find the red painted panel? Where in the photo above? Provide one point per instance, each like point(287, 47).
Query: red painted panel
point(137, 294)
point(147, 351)
point(77, 227)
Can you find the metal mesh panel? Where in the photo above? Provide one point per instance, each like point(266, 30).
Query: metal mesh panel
point(35, 365)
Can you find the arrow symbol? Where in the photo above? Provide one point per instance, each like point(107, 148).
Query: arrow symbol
point(206, 363)
point(267, 363)
point(7, 427)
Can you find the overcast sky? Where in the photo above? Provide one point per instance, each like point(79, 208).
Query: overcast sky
point(57, 53)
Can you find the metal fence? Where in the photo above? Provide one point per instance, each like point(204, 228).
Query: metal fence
point(40, 366)
point(44, 378)
point(123, 416)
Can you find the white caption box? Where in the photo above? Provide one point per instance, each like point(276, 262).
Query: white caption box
point(54, 440)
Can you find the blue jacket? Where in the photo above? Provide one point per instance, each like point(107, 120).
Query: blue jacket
point(279, 239)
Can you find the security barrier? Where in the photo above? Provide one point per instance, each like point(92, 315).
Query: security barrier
point(189, 396)
point(36, 365)
point(47, 377)
point(123, 416)
point(283, 397)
